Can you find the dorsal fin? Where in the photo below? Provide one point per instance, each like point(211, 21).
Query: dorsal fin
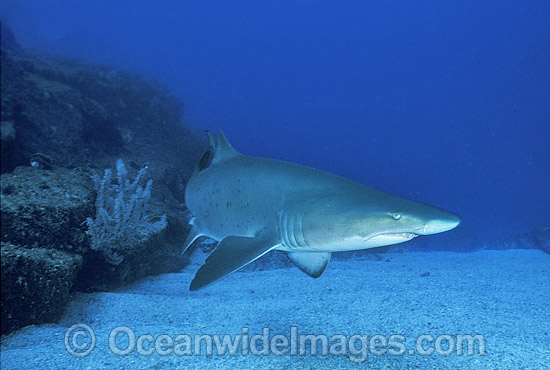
point(211, 140)
point(223, 150)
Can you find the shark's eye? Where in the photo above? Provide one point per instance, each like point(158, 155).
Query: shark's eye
point(396, 216)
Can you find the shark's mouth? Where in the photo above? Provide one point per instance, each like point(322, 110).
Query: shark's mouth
point(391, 238)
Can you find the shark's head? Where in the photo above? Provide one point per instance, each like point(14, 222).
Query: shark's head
point(350, 223)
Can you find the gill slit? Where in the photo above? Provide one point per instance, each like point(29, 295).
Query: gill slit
point(291, 229)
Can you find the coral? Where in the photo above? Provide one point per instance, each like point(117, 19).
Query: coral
point(122, 220)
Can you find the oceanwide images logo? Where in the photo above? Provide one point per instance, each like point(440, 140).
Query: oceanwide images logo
point(81, 340)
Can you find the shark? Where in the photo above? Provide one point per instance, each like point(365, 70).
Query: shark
point(253, 205)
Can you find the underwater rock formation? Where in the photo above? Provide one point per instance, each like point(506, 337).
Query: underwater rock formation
point(541, 238)
point(35, 284)
point(538, 238)
point(88, 116)
point(44, 240)
point(46, 209)
point(62, 121)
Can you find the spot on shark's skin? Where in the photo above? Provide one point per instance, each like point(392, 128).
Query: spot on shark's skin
point(304, 211)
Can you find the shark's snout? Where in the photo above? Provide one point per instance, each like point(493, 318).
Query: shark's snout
point(440, 225)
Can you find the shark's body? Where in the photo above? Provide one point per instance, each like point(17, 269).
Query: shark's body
point(254, 205)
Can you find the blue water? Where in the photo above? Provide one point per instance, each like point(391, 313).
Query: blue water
point(443, 102)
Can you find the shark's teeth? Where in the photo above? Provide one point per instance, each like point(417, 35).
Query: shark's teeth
point(405, 235)
point(390, 238)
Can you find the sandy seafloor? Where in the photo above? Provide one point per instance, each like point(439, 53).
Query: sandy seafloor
point(503, 295)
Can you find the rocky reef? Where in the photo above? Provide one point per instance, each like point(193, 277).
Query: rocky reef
point(538, 238)
point(62, 122)
point(35, 284)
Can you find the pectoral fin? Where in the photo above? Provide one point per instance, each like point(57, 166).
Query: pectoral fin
point(231, 254)
point(312, 263)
